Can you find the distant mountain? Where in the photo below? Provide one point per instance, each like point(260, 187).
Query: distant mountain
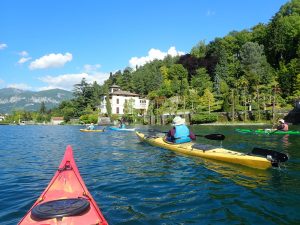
point(14, 99)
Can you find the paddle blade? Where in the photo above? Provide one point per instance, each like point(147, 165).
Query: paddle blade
point(220, 137)
point(275, 156)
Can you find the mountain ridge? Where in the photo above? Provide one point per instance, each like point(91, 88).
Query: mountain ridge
point(16, 99)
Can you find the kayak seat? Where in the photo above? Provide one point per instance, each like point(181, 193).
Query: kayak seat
point(203, 147)
point(172, 143)
point(153, 136)
point(60, 208)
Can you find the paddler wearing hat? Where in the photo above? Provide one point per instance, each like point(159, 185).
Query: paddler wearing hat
point(282, 125)
point(180, 133)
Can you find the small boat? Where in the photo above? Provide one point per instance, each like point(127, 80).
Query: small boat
point(87, 130)
point(66, 200)
point(268, 131)
point(258, 158)
point(121, 129)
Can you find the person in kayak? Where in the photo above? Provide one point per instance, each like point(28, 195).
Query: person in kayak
point(180, 133)
point(91, 126)
point(282, 125)
point(122, 123)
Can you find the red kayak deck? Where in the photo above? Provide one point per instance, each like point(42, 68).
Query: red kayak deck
point(66, 184)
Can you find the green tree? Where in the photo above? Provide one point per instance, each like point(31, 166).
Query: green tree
point(96, 96)
point(296, 93)
point(254, 65)
point(287, 76)
point(208, 100)
point(83, 93)
point(199, 51)
point(43, 108)
point(147, 78)
point(178, 76)
point(283, 34)
point(108, 105)
point(201, 81)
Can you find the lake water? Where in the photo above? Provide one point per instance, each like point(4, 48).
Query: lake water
point(134, 183)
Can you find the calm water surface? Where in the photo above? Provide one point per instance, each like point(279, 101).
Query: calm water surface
point(134, 183)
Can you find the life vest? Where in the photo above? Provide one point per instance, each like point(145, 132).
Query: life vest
point(182, 133)
point(283, 127)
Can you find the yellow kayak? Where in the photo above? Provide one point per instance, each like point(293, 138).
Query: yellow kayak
point(86, 130)
point(211, 152)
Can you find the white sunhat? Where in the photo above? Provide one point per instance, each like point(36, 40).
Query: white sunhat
point(178, 121)
point(281, 121)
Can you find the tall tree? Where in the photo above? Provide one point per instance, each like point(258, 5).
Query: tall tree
point(83, 93)
point(199, 51)
point(108, 105)
point(43, 108)
point(178, 76)
point(208, 99)
point(254, 64)
point(201, 81)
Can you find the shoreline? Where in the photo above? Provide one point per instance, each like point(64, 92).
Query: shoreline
point(233, 124)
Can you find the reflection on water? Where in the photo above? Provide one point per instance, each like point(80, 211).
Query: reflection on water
point(241, 175)
point(285, 141)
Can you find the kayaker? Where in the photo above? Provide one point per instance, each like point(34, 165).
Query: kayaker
point(180, 133)
point(122, 123)
point(91, 126)
point(282, 125)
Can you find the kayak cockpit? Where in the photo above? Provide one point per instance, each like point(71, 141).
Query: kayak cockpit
point(60, 208)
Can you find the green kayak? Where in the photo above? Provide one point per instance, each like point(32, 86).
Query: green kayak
point(268, 131)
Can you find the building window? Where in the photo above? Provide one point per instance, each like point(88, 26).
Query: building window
point(117, 109)
point(117, 101)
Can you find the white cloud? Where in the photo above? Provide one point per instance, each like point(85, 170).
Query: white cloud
point(24, 59)
point(3, 46)
point(152, 55)
point(23, 53)
point(67, 81)
point(21, 86)
point(91, 68)
point(51, 61)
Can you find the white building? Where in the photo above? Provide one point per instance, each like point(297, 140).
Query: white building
point(117, 99)
point(57, 120)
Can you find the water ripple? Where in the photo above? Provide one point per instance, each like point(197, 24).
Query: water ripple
point(135, 183)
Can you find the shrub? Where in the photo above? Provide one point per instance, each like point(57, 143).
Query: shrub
point(203, 118)
point(89, 118)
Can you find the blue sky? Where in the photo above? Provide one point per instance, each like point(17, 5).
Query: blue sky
point(55, 43)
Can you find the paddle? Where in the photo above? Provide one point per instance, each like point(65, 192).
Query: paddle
point(272, 155)
point(273, 132)
point(219, 137)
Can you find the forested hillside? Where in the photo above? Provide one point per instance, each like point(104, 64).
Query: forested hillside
point(256, 68)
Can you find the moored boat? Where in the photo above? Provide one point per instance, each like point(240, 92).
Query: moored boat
point(268, 131)
point(87, 130)
point(66, 200)
point(121, 129)
point(259, 158)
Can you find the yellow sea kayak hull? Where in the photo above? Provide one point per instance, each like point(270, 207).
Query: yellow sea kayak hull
point(85, 130)
point(214, 153)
